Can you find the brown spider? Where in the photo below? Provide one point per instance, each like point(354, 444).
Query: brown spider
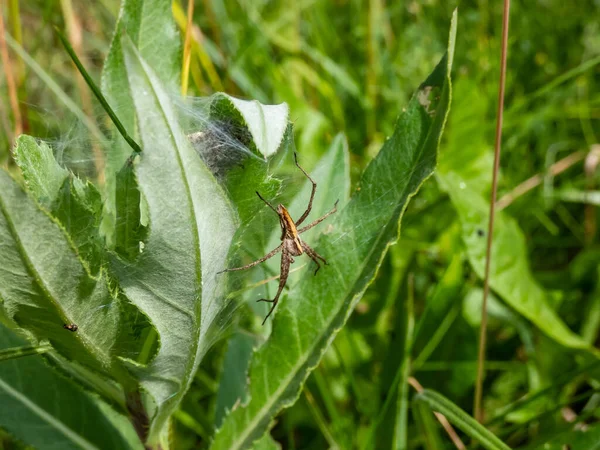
point(291, 244)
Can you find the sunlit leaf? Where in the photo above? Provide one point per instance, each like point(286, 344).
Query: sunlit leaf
point(510, 275)
point(150, 25)
point(191, 223)
point(308, 318)
point(44, 285)
point(43, 175)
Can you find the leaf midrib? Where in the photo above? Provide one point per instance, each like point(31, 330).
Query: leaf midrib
point(198, 269)
point(285, 384)
point(105, 360)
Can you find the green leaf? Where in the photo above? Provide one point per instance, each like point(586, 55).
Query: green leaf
point(150, 25)
point(510, 275)
point(44, 285)
point(580, 438)
point(404, 369)
point(441, 311)
point(232, 386)
point(308, 318)
point(43, 175)
point(75, 204)
point(78, 208)
point(235, 146)
point(129, 231)
point(20, 352)
point(191, 223)
point(267, 124)
point(461, 419)
point(97, 92)
point(266, 442)
point(48, 411)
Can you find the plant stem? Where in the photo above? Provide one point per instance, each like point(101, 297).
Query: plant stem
point(486, 288)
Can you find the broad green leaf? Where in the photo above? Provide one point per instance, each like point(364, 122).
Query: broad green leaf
point(75, 204)
point(78, 208)
point(467, 149)
point(44, 285)
point(191, 223)
point(461, 419)
point(42, 174)
point(267, 124)
point(235, 144)
point(150, 25)
point(308, 318)
point(510, 275)
point(48, 411)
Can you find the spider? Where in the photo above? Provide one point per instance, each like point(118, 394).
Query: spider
point(291, 244)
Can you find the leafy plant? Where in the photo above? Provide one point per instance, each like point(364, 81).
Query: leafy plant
point(112, 309)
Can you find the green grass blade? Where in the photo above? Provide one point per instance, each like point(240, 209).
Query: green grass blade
point(461, 419)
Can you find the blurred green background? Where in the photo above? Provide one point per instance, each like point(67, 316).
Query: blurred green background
point(350, 66)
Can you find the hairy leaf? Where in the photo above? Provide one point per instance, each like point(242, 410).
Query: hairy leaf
point(44, 285)
point(43, 175)
point(308, 318)
point(150, 25)
point(76, 205)
point(47, 411)
point(78, 208)
point(191, 224)
point(232, 386)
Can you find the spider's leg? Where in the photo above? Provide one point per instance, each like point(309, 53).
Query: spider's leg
point(319, 220)
point(312, 193)
point(313, 255)
point(268, 204)
point(258, 261)
point(286, 260)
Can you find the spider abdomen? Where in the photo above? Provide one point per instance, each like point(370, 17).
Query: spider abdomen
point(292, 246)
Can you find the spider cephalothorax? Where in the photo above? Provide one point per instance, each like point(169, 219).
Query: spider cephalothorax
point(291, 244)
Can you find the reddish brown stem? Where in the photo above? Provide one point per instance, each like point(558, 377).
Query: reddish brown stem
point(486, 282)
